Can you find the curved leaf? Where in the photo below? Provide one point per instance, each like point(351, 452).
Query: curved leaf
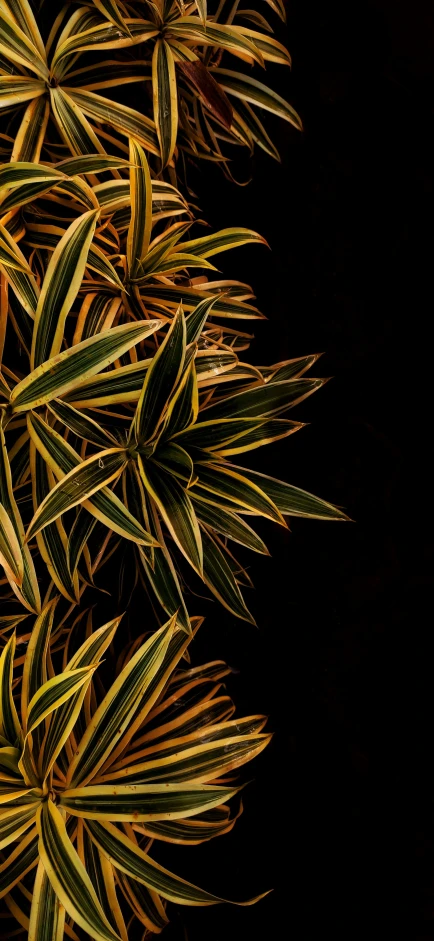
point(130, 859)
point(47, 914)
point(68, 876)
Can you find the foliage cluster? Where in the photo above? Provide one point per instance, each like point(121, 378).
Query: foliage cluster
point(126, 404)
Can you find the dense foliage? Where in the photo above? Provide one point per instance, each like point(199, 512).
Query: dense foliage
point(126, 403)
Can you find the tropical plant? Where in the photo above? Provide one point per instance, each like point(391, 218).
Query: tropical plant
point(125, 405)
point(86, 786)
point(178, 50)
point(167, 424)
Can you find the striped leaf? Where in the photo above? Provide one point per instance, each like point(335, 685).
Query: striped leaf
point(176, 649)
point(127, 121)
point(196, 320)
point(15, 45)
point(221, 484)
point(16, 795)
point(10, 255)
point(183, 407)
point(35, 661)
point(271, 49)
point(28, 591)
point(229, 525)
point(102, 876)
point(15, 89)
point(175, 262)
point(82, 425)
point(53, 541)
point(68, 876)
point(291, 500)
point(160, 381)
point(263, 401)
point(142, 802)
point(134, 862)
point(47, 914)
point(9, 770)
point(139, 230)
point(176, 509)
point(162, 573)
point(54, 693)
point(245, 114)
point(26, 291)
point(10, 727)
point(172, 295)
point(146, 904)
point(269, 431)
point(73, 126)
point(196, 758)
point(190, 832)
point(118, 708)
point(102, 36)
point(61, 285)
point(110, 9)
point(78, 537)
point(17, 272)
point(30, 138)
point(22, 12)
point(19, 862)
point(104, 505)
point(123, 384)
point(70, 368)
point(249, 89)
point(10, 550)
point(219, 434)
point(216, 34)
point(221, 241)
point(289, 369)
point(63, 720)
point(15, 822)
point(165, 98)
point(90, 163)
point(202, 9)
point(78, 486)
point(218, 576)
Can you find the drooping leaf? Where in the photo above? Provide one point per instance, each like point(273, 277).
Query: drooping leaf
point(249, 89)
point(68, 876)
point(19, 862)
point(134, 862)
point(47, 914)
point(176, 508)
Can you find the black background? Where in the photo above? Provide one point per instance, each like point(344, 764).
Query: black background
point(339, 818)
